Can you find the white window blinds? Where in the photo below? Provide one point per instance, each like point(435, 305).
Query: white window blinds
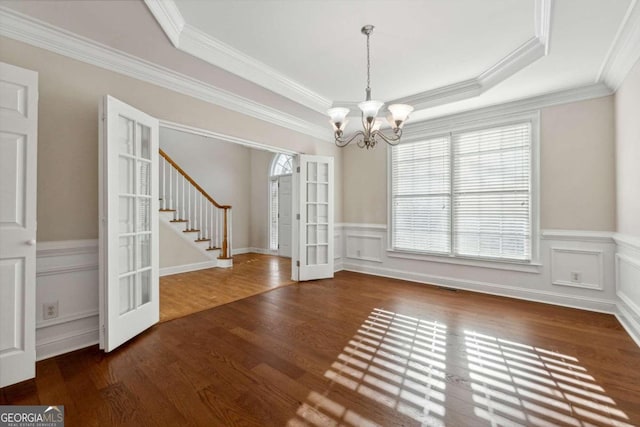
point(466, 194)
point(421, 196)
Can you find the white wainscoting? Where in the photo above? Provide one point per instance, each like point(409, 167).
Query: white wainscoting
point(627, 272)
point(591, 254)
point(66, 273)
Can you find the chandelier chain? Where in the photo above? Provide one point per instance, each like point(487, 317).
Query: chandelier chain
point(368, 66)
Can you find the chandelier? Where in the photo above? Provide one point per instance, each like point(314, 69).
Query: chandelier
point(371, 133)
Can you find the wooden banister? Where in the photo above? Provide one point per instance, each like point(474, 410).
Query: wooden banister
point(224, 254)
point(195, 184)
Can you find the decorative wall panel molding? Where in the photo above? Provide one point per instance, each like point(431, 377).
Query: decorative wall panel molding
point(579, 268)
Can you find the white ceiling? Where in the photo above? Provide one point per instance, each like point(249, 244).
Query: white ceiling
point(287, 61)
point(418, 47)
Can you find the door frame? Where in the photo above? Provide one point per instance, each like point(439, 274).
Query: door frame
point(295, 190)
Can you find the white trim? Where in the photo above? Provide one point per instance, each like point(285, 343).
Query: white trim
point(578, 235)
point(37, 33)
point(177, 269)
point(65, 319)
point(209, 49)
point(206, 47)
point(624, 51)
point(504, 110)
point(592, 286)
point(66, 269)
point(627, 241)
point(61, 344)
point(169, 17)
point(458, 260)
point(263, 251)
point(573, 301)
point(366, 237)
point(628, 322)
point(66, 247)
point(224, 137)
point(381, 227)
point(203, 46)
point(239, 251)
point(629, 311)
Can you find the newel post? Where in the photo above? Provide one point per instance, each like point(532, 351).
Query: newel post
point(225, 244)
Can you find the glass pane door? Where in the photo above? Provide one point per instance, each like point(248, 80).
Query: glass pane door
point(129, 233)
point(316, 197)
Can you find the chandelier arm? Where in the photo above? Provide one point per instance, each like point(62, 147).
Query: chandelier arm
point(343, 142)
point(391, 140)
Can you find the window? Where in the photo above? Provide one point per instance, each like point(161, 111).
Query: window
point(465, 194)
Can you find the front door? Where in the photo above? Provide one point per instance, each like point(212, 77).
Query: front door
point(284, 216)
point(18, 170)
point(129, 284)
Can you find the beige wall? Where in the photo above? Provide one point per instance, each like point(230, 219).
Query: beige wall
point(259, 221)
point(174, 250)
point(577, 171)
point(577, 166)
point(627, 106)
point(365, 184)
point(70, 92)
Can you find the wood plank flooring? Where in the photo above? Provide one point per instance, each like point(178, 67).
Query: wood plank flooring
point(355, 350)
point(251, 274)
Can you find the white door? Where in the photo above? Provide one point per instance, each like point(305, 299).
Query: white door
point(284, 216)
point(18, 171)
point(129, 284)
point(316, 217)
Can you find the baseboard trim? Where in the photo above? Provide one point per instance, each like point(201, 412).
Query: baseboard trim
point(66, 343)
point(628, 320)
point(592, 304)
point(168, 271)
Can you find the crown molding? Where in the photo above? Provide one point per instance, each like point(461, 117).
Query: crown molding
point(582, 93)
point(37, 33)
point(169, 17)
point(201, 45)
point(624, 51)
point(524, 55)
point(207, 48)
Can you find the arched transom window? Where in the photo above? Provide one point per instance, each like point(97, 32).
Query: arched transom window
point(282, 165)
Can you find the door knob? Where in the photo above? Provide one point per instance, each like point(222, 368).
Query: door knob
point(31, 242)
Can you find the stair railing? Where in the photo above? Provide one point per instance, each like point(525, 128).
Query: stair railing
point(192, 205)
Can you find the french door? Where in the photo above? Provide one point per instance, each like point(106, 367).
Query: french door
point(18, 170)
point(129, 284)
point(316, 217)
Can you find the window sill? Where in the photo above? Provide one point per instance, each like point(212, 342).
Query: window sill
point(526, 267)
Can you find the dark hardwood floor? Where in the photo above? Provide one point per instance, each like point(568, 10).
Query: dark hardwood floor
point(356, 350)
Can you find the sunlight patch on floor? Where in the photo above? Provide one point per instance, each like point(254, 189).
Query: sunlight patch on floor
point(519, 384)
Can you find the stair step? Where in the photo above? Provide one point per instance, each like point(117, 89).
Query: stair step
point(178, 220)
point(167, 210)
point(191, 230)
point(202, 240)
point(213, 248)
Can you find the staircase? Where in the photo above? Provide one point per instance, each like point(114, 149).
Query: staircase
point(194, 213)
